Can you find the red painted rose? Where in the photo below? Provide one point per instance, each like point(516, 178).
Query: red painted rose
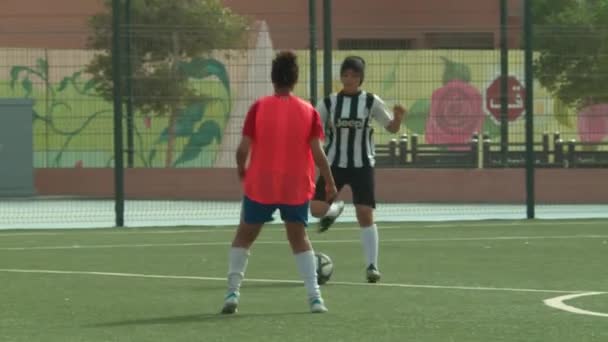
point(456, 113)
point(593, 123)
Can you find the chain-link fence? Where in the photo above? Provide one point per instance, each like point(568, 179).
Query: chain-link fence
point(189, 72)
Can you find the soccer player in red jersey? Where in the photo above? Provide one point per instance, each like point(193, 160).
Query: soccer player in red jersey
point(282, 137)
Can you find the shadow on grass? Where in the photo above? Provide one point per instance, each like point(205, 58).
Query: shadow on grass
point(251, 285)
point(196, 318)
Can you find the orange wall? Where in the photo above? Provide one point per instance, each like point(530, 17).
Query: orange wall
point(62, 23)
point(380, 18)
point(392, 185)
point(46, 23)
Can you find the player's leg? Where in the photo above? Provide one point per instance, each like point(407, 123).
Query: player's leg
point(327, 211)
point(365, 203)
point(253, 217)
point(296, 220)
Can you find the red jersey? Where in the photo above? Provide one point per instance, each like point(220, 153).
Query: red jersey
point(281, 168)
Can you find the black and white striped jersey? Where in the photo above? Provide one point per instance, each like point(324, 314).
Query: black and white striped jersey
point(348, 128)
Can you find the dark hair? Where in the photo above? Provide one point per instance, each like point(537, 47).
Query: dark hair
point(284, 69)
point(354, 63)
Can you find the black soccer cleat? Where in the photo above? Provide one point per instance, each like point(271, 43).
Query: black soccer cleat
point(326, 221)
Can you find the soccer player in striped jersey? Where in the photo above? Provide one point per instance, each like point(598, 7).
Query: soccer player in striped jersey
point(347, 117)
point(282, 137)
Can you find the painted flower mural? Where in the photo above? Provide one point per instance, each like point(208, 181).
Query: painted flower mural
point(456, 109)
point(75, 118)
point(58, 106)
point(593, 123)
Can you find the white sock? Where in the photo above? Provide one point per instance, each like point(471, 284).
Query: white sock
point(333, 210)
point(308, 270)
point(237, 267)
point(369, 239)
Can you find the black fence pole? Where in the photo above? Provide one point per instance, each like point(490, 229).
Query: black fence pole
point(312, 17)
point(129, 90)
point(327, 47)
point(504, 83)
point(119, 196)
point(528, 56)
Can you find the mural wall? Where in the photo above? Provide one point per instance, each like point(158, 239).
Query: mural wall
point(452, 93)
point(449, 95)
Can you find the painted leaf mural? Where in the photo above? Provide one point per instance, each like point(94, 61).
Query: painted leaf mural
point(190, 123)
point(491, 128)
point(563, 114)
point(202, 68)
point(417, 115)
point(455, 71)
point(207, 133)
point(184, 125)
point(58, 115)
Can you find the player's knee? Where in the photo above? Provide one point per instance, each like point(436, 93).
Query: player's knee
point(299, 243)
point(242, 242)
point(318, 208)
point(246, 235)
point(365, 216)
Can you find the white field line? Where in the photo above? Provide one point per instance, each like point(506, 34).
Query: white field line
point(521, 223)
point(284, 281)
point(137, 231)
point(270, 242)
point(229, 229)
point(27, 234)
point(558, 303)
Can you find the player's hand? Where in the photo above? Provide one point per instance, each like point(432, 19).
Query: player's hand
point(399, 112)
point(331, 192)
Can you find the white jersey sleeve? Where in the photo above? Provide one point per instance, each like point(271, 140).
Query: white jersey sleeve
point(380, 113)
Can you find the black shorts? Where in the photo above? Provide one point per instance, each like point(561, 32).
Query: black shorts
point(360, 180)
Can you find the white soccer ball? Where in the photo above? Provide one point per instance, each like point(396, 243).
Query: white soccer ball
point(325, 268)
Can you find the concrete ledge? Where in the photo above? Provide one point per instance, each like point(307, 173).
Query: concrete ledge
point(393, 185)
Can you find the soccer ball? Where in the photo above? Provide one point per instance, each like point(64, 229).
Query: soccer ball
point(325, 268)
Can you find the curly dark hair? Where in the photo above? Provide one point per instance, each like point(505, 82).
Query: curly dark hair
point(285, 69)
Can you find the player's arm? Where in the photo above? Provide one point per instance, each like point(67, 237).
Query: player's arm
point(323, 113)
point(242, 152)
point(318, 154)
point(390, 121)
point(316, 146)
point(395, 124)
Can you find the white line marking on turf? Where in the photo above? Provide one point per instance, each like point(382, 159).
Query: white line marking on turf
point(521, 223)
point(558, 303)
point(209, 229)
point(284, 281)
point(231, 229)
point(267, 242)
point(25, 234)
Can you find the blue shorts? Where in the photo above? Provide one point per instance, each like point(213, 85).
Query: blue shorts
point(258, 213)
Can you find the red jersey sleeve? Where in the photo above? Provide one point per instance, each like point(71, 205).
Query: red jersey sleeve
point(249, 126)
point(317, 127)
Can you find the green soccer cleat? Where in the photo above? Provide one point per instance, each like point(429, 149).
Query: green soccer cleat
point(372, 273)
point(231, 303)
point(326, 221)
